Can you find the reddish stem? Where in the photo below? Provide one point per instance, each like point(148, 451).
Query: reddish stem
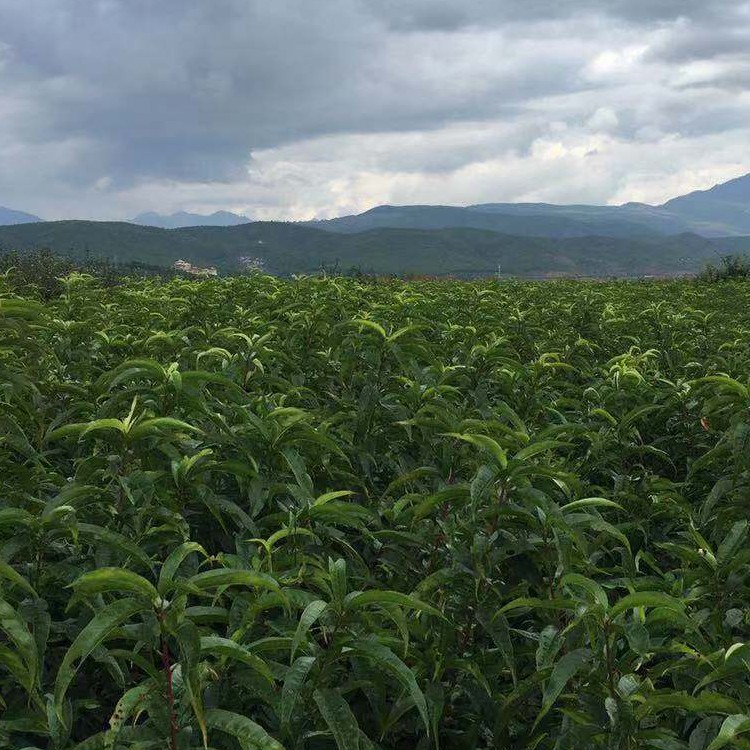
point(167, 666)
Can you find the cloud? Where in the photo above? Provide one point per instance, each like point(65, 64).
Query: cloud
point(449, 15)
point(291, 109)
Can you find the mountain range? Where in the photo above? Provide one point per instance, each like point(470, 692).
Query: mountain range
point(722, 211)
point(8, 217)
point(185, 219)
point(527, 239)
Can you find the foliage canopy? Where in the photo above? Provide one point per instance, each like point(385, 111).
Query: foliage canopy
point(327, 513)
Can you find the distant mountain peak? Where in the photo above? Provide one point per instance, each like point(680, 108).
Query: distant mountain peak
point(723, 209)
point(9, 216)
point(181, 219)
point(734, 191)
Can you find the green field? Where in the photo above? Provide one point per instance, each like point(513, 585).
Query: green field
point(327, 513)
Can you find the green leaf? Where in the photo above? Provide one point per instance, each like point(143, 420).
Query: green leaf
point(732, 542)
point(105, 424)
point(15, 517)
point(605, 415)
point(639, 639)
point(341, 514)
point(499, 630)
point(362, 599)
point(250, 735)
point(71, 496)
point(307, 619)
point(18, 634)
point(726, 382)
point(212, 579)
point(189, 641)
point(362, 323)
point(386, 659)
point(550, 643)
point(281, 534)
point(482, 483)
point(456, 494)
point(119, 580)
point(536, 448)
point(706, 702)
point(12, 661)
point(293, 682)
point(599, 524)
point(297, 465)
point(150, 427)
point(565, 669)
point(111, 538)
point(592, 588)
point(174, 560)
point(67, 430)
point(646, 599)
point(732, 727)
point(339, 718)
point(328, 496)
point(99, 628)
point(10, 574)
point(533, 603)
point(590, 502)
point(127, 704)
point(338, 578)
point(485, 443)
point(229, 649)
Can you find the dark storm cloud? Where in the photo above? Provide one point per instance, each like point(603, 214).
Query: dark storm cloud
point(120, 93)
point(161, 90)
point(449, 15)
point(703, 42)
point(175, 89)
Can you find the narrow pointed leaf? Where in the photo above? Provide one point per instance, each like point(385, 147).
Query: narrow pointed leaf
point(307, 619)
point(101, 626)
point(339, 718)
point(293, 682)
point(250, 735)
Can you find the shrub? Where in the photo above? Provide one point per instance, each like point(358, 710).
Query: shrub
point(39, 273)
point(730, 268)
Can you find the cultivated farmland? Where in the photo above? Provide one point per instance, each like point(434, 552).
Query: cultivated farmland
point(330, 513)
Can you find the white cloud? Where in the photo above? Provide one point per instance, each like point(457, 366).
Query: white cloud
point(614, 64)
point(604, 119)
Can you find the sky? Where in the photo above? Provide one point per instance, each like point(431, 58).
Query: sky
point(299, 109)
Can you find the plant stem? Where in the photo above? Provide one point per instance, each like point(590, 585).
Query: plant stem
point(167, 666)
point(608, 658)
